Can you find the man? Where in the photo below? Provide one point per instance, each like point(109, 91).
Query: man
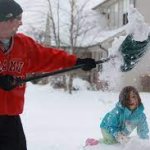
point(20, 55)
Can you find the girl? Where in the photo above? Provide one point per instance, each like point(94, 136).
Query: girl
point(127, 115)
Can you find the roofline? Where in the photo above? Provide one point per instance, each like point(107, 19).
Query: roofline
point(94, 8)
point(98, 43)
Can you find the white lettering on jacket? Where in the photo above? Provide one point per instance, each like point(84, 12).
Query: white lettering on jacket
point(14, 65)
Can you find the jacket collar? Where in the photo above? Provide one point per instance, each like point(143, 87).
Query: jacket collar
point(139, 109)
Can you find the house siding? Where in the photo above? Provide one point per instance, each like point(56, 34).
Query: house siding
point(143, 8)
point(114, 12)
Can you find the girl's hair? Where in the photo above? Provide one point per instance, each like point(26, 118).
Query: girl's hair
point(124, 95)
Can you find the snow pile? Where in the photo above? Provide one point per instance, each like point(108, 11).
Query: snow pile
point(111, 70)
point(80, 84)
point(137, 144)
point(136, 26)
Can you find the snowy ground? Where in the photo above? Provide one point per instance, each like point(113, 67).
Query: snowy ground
point(55, 120)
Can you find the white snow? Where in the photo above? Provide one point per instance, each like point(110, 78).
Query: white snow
point(55, 120)
point(137, 26)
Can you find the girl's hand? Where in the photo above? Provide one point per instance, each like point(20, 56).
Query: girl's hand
point(122, 139)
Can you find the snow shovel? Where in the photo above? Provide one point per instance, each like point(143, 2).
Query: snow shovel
point(19, 81)
point(58, 72)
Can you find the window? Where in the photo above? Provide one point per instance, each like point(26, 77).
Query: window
point(125, 18)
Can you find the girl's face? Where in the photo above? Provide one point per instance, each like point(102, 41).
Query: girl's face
point(132, 101)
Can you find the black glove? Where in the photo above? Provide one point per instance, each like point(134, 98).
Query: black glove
point(7, 82)
point(88, 63)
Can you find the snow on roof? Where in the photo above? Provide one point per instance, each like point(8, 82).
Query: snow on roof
point(100, 3)
point(101, 37)
point(93, 3)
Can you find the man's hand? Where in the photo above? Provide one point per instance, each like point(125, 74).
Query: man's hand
point(88, 63)
point(7, 82)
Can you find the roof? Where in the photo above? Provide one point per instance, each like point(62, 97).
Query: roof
point(102, 37)
point(102, 3)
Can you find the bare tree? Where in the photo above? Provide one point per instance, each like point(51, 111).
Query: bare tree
point(74, 28)
point(54, 27)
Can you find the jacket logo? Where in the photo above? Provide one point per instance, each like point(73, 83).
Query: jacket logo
point(11, 65)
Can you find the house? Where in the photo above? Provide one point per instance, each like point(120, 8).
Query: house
point(115, 13)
